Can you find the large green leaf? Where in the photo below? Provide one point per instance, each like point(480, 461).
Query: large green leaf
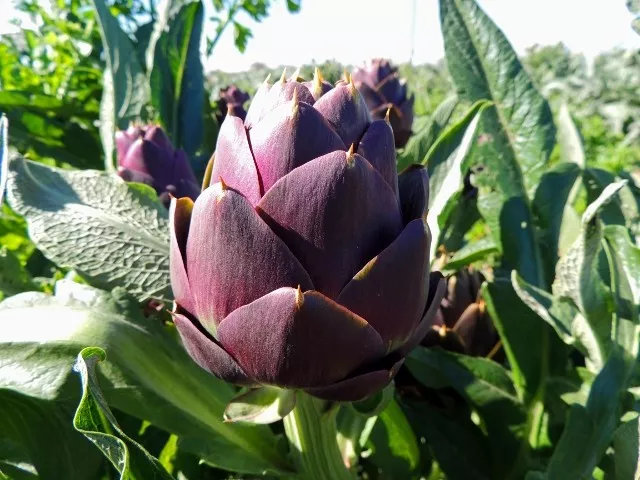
point(95, 420)
point(550, 205)
point(626, 445)
point(42, 431)
point(444, 162)
point(517, 133)
point(457, 443)
point(394, 445)
point(579, 277)
point(126, 90)
point(147, 374)
point(110, 232)
point(420, 142)
point(177, 79)
point(488, 387)
point(562, 314)
point(527, 341)
point(484, 66)
point(590, 429)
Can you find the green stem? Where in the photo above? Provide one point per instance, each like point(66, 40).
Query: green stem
point(312, 437)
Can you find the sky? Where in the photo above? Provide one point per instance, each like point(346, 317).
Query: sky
point(351, 31)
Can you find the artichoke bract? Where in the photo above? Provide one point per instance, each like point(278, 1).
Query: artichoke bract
point(306, 265)
point(146, 155)
point(382, 89)
point(231, 99)
point(462, 323)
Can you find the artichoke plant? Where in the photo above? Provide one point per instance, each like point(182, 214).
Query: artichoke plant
point(462, 323)
point(383, 90)
point(231, 99)
point(306, 266)
point(146, 155)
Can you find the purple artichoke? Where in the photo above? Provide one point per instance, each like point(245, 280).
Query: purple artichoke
point(146, 155)
point(462, 323)
point(383, 90)
point(231, 99)
point(306, 266)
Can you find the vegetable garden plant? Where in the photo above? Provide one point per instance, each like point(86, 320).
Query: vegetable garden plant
point(317, 286)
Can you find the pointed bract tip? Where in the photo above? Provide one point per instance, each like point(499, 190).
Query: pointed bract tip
point(223, 186)
point(299, 297)
point(351, 154)
point(295, 102)
point(387, 116)
point(295, 75)
point(266, 80)
point(283, 78)
point(317, 75)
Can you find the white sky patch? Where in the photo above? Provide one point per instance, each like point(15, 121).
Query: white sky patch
point(351, 31)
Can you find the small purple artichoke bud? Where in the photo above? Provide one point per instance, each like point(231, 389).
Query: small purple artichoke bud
point(462, 323)
point(146, 155)
point(307, 265)
point(231, 99)
point(384, 91)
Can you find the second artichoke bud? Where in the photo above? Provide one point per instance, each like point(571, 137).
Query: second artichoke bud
point(307, 265)
point(231, 99)
point(462, 323)
point(383, 90)
point(146, 155)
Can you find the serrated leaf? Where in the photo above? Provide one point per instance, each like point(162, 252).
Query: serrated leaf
point(110, 232)
point(126, 90)
point(177, 79)
point(95, 420)
point(578, 274)
point(516, 135)
point(147, 374)
point(550, 203)
point(421, 141)
point(484, 66)
point(589, 430)
point(446, 158)
point(262, 405)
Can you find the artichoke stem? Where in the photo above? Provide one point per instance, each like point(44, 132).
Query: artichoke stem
point(313, 440)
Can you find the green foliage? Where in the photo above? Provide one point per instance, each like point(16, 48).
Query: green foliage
point(112, 233)
point(550, 218)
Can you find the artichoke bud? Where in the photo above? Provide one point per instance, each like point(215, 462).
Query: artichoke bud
point(308, 265)
point(146, 155)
